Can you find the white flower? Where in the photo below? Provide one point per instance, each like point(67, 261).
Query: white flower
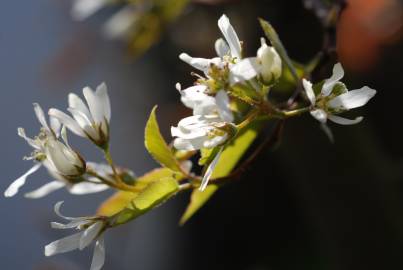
point(266, 65)
point(82, 9)
point(229, 51)
point(208, 127)
point(196, 132)
point(334, 98)
point(38, 144)
point(64, 164)
point(91, 229)
point(92, 121)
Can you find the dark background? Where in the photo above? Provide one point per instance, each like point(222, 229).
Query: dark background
point(307, 205)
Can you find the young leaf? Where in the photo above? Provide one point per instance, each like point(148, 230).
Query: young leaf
point(121, 199)
point(157, 146)
point(229, 158)
point(153, 195)
point(271, 34)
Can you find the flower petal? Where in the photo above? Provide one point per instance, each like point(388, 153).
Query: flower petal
point(223, 103)
point(201, 64)
point(94, 104)
point(345, 121)
point(40, 115)
point(44, 190)
point(230, 36)
point(103, 98)
point(67, 121)
point(118, 26)
point(57, 207)
point(72, 224)
point(77, 103)
point(337, 75)
point(353, 99)
point(90, 234)
point(221, 48)
point(189, 144)
point(55, 125)
point(319, 115)
point(209, 171)
point(65, 244)
point(87, 188)
point(15, 186)
point(328, 132)
point(31, 142)
point(82, 9)
point(309, 91)
point(98, 259)
point(244, 70)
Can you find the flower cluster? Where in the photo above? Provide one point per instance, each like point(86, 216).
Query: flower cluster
point(212, 123)
point(69, 169)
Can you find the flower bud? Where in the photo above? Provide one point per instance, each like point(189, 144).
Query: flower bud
point(65, 160)
point(270, 63)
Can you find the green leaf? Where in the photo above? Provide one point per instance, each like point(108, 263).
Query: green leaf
point(272, 35)
point(153, 195)
point(157, 146)
point(228, 160)
point(120, 200)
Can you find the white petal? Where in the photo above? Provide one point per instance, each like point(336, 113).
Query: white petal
point(201, 64)
point(319, 115)
point(77, 103)
point(57, 207)
point(215, 141)
point(244, 70)
point(31, 142)
point(82, 9)
point(230, 36)
point(209, 171)
point(15, 186)
point(309, 91)
point(55, 125)
point(98, 259)
point(94, 104)
point(65, 244)
point(85, 123)
point(337, 75)
point(120, 23)
point(189, 145)
point(103, 98)
point(87, 188)
point(353, 99)
point(67, 121)
point(345, 121)
point(328, 132)
point(223, 104)
point(40, 115)
point(90, 234)
point(72, 224)
point(45, 190)
point(221, 48)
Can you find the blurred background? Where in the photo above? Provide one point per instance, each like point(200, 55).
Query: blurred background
point(308, 205)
